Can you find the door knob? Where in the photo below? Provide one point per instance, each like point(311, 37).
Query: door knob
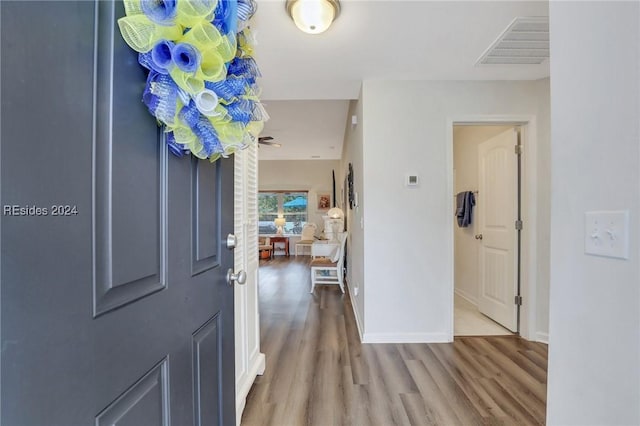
point(240, 277)
point(479, 237)
point(232, 241)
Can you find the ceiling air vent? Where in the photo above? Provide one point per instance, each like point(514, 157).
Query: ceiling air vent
point(524, 42)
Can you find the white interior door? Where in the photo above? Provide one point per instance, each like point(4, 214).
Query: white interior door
point(497, 212)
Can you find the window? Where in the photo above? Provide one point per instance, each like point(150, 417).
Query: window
point(290, 205)
point(267, 212)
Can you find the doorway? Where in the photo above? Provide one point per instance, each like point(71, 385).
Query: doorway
point(486, 193)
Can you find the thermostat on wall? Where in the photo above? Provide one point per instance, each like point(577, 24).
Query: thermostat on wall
point(412, 180)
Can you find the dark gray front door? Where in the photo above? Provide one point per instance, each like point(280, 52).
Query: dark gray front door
point(114, 303)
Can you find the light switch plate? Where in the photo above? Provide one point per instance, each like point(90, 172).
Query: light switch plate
point(606, 233)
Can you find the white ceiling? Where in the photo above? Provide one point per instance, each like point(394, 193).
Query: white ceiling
point(371, 40)
point(306, 129)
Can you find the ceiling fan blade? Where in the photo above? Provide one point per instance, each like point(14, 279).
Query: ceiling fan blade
point(273, 144)
point(266, 140)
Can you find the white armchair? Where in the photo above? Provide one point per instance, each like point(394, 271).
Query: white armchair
point(307, 236)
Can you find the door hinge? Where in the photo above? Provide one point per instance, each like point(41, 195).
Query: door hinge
point(518, 225)
point(518, 300)
point(518, 149)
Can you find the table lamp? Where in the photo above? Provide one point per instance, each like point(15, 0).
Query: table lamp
point(335, 213)
point(336, 216)
point(280, 222)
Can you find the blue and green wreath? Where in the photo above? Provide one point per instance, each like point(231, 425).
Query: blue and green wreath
point(202, 77)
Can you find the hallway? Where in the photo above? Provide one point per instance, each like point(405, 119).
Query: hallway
point(318, 373)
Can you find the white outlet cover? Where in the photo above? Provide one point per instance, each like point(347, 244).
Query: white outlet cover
point(606, 233)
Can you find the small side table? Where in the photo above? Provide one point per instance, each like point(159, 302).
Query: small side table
point(281, 240)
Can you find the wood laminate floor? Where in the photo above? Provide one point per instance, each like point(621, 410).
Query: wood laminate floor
point(318, 373)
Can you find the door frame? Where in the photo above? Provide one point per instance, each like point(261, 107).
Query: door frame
point(529, 202)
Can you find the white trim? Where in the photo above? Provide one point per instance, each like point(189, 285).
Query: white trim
point(405, 338)
point(355, 312)
point(542, 337)
point(449, 244)
point(529, 127)
point(466, 296)
point(528, 313)
point(256, 368)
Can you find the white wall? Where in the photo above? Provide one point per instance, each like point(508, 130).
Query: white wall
point(465, 167)
point(594, 348)
point(352, 153)
point(405, 131)
point(306, 175)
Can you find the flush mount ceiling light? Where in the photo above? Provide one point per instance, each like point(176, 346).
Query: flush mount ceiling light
point(313, 16)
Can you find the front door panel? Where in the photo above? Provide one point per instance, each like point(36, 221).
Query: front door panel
point(119, 313)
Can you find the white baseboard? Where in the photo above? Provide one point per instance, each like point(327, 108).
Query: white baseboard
point(467, 296)
point(256, 368)
point(406, 338)
point(355, 312)
point(542, 337)
point(395, 337)
point(240, 404)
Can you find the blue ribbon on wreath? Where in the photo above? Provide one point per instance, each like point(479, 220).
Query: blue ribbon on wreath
point(202, 128)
